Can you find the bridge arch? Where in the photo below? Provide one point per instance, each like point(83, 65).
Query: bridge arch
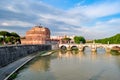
point(101, 49)
point(116, 48)
point(86, 48)
point(74, 48)
point(63, 47)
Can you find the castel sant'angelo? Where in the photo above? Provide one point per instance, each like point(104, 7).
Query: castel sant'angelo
point(36, 35)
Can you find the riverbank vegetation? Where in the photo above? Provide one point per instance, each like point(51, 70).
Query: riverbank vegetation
point(79, 39)
point(111, 40)
point(9, 38)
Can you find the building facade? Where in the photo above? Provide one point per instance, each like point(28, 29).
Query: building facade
point(36, 35)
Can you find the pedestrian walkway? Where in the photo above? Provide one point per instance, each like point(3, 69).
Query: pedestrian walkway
point(7, 70)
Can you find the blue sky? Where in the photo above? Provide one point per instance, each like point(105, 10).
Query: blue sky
point(92, 19)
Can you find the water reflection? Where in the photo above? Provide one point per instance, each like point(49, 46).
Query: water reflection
point(74, 65)
point(93, 55)
point(41, 64)
point(117, 60)
point(86, 52)
point(101, 50)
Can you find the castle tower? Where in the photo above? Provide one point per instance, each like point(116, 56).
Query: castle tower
point(37, 35)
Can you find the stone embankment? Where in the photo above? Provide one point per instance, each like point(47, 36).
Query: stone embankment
point(9, 54)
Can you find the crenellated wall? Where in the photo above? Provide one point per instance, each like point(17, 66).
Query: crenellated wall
point(9, 54)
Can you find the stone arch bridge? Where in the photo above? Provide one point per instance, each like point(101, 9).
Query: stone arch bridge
point(93, 46)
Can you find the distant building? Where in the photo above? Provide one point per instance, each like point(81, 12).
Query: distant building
point(56, 39)
point(59, 39)
point(36, 35)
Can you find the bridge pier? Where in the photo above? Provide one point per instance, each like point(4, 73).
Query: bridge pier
point(108, 50)
point(93, 50)
point(80, 49)
point(69, 48)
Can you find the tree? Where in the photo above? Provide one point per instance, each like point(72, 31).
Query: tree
point(79, 39)
point(4, 34)
point(8, 39)
point(14, 34)
point(15, 37)
point(66, 40)
point(1, 40)
point(112, 40)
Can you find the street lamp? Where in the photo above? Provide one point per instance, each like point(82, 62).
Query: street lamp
point(108, 43)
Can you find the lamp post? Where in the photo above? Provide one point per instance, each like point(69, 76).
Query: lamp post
point(108, 43)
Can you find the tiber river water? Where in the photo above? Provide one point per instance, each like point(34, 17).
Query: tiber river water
point(73, 66)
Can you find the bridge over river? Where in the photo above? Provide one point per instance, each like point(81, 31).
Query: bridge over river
point(93, 46)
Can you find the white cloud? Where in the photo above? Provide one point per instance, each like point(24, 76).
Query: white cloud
point(25, 13)
point(15, 23)
point(97, 10)
point(104, 29)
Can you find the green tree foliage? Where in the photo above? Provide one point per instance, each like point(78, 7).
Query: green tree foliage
point(14, 34)
point(112, 40)
point(66, 40)
point(79, 39)
point(4, 34)
point(15, 37)
point(9, 37)
point(1, 40)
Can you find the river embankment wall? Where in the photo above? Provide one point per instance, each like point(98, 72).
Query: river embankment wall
point(9, 54)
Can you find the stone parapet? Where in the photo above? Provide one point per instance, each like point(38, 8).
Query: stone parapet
point(9, 54)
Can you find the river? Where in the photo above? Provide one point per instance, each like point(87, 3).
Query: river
point(73, 65)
